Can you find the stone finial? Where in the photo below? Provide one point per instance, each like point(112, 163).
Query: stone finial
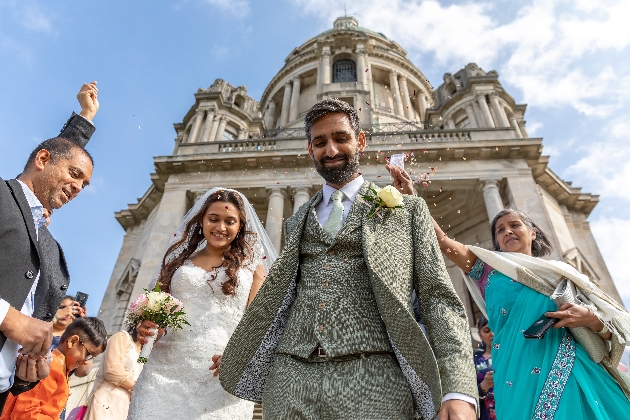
point(345, 22)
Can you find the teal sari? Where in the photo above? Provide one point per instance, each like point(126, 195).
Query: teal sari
point(552, 378)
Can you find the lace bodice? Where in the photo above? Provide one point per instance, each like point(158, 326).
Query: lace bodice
point(178, 368)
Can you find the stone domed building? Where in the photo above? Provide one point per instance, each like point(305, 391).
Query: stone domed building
point(467, 146)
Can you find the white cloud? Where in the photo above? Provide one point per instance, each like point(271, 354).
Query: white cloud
point(544, 51)
point(605, 165)
point(611, 235)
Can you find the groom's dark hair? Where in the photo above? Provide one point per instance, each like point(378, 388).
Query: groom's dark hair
point(330, 106)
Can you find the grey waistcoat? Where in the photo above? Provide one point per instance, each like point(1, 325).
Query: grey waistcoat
point(335, 305)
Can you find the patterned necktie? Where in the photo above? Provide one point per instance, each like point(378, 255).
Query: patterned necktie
point(335, 219)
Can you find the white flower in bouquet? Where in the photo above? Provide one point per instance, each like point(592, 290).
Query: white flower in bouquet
point(159, 307)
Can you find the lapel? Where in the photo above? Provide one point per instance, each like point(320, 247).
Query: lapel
point(387, 246)
point(20, 199)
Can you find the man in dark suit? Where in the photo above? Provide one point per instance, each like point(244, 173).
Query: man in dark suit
point(31, 262)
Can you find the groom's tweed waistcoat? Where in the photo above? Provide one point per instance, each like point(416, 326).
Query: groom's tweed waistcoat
point(335, 305)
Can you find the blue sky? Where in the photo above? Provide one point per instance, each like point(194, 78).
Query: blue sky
point(569, 61)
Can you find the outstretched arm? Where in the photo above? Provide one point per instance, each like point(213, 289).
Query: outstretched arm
point(454, 251)
point(79, 128)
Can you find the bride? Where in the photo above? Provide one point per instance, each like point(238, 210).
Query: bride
point(215, 264)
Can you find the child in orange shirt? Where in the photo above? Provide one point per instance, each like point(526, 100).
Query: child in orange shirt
point(83, 340)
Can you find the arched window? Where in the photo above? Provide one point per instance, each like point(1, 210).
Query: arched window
point(344, 71)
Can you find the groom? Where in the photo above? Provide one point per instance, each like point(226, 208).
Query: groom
point(331, 333)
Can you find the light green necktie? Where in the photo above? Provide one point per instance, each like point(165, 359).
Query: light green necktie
point(335, 219)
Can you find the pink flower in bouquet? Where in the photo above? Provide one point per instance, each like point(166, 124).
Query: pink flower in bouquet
point(138, 305)
point(173, 302)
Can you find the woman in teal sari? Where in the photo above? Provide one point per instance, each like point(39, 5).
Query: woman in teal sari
point(544, 378)
point(552, 377)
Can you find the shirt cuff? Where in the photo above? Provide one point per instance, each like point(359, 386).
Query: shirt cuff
point(4, 309)
point(458, 396)
point(81, 116)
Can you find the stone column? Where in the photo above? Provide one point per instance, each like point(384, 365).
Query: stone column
point(450, 124)
point(471, 116)
point(491, 196)
point(194, 132)
point(300, 196)
point(498, 110)
point(242, 133)
point(207, 127)
point(395, 90)
point(172, 208)
point(185, 137)
point(523, 193)
point(221, 129)
point(521, 125)
point(215, 128)
point(270, 115)
point(275, 213)
point(405, 98)
point(295, 99)
point(485, 111)
point(286, 100)
point(516, 128)
point(422, 105)
point(361, 75)
point(326, 65)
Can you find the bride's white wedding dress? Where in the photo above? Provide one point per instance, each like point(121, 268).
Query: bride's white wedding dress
point(176, 382)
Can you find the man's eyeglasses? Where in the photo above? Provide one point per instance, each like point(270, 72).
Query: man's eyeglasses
point(89, 355)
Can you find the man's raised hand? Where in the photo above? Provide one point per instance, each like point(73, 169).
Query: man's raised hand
point(88, 99)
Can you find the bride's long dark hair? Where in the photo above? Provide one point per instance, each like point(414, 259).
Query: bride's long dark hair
point(238, 252)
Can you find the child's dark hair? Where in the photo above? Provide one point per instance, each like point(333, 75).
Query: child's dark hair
point(482, 321)
point(89, 329)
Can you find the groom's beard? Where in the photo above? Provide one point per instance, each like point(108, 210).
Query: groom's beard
point(339, 174)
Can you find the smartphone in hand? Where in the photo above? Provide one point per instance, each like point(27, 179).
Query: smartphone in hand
point(81, 298)
point(540, 327)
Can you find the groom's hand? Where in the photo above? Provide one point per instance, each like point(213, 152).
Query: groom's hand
point(144, 331)
point(457, 410)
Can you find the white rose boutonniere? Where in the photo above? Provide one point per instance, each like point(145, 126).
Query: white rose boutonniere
point(383, 198)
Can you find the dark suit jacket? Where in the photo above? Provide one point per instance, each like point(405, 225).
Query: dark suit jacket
point(21, 255)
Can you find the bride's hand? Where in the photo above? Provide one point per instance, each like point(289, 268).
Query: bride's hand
point(144, 331)
point(217, 361)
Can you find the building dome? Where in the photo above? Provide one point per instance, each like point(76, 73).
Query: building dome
point(360, 66)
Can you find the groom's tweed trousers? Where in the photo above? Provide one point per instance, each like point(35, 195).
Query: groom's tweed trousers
point(366, 388)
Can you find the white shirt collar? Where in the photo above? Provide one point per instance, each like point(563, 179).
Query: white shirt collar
point(37, 209)
point(350, 190)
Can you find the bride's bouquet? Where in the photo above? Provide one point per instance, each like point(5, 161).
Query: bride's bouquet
point(158, 307)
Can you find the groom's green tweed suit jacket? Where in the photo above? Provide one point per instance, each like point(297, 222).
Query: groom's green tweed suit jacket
point(402, 254)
